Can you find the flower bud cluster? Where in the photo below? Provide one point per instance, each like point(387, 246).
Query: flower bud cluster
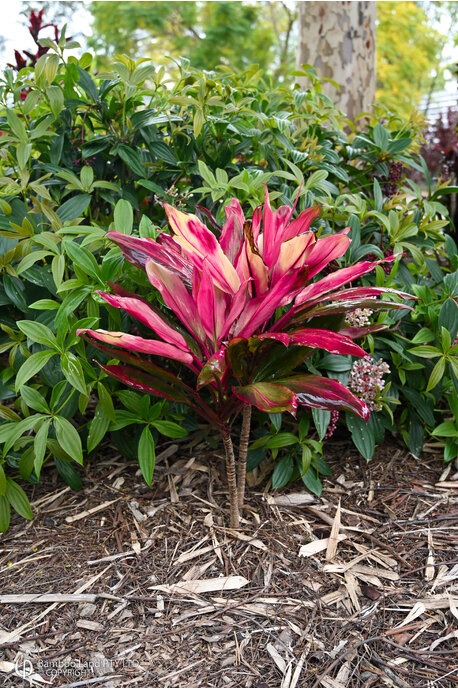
point(359, 317)
point(366, 380)
point(332, 424)
point(395, 174)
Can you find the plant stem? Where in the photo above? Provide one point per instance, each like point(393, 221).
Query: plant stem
point(231, 479)
point(243, 451)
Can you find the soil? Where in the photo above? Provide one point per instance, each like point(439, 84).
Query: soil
point(148, 587)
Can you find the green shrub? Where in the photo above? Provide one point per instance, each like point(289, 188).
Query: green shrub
point(82, 153)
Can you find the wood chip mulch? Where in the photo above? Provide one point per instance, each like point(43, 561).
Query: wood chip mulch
point(131, 586)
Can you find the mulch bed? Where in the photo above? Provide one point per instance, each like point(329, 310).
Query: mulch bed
point(148, 587)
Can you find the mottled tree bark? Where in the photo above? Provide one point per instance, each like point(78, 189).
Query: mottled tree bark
point(231, 479)
point(243, 452)
point(338, 39)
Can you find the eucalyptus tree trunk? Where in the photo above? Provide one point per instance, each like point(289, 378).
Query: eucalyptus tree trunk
point(338, 39)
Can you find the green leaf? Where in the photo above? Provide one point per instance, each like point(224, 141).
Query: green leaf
point(321, 419)
point(87, 83)
point(2, 481)
point(56, 99)
point(378, 198)
point(123, 217)
point(82, 258)
point(425, 351)
point(436, 374)
point(57, 269)
point(312, 481)
point(45, 305)
point(18, 499)
point(73, 371)
point(447, 429)
point(381, 136)
point(15, 290)
point(106, 402)
point(415, 437)
point(5, 514)
point(448, 317)
point(282, 472)
point(282, 440)
point(38, 332)
point(446, 340)
point(34, 399)
point(69, 474)
point(30, 260)
point(73, 208)
point(170, 429)
point(23, 152)
point(146, 455)
point(424, 335)
point(323, 467)
point(132, 158)
point(26, 463)
point(39, 446)
point(10, 432)
point(361, 434)
point(51, 67)
point(32, 366)
point(30, 102)
point(68, 438)
point(198, 121)
point(17, 126)
point(98, 427)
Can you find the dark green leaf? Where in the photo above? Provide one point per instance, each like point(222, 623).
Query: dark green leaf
point(32, 366)
point(5, 514)
point(68, 438)
point(73, 208)
point(170, 429)
point(15, 291)
point(73, 371)
point(362, 435)
point(69, 474)
point(312, 481)
point(282, 472)
point(18, 499)
point(146, 455)
point(98, 427)
point(321, 419)
point(83, 258)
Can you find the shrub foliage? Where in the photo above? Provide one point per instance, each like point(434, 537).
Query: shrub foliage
point(83, 153)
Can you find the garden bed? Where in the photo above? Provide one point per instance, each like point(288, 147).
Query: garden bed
point(380, 612)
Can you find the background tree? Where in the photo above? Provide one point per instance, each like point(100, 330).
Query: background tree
point(207, 33)
point(409, 65)
point(338, 39)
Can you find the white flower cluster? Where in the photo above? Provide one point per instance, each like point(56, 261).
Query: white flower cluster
point(359, 317)
point(366, 380)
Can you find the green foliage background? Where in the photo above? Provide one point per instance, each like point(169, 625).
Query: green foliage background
point(84, 150)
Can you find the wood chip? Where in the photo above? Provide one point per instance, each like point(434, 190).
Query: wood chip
point(86, 513)
point(277, 658)
point(89, 625)
point(417, 610)
point(316, 546)
point(334, 536)
point(429, 570)
point(293, 499)
point(215, 584)
point(46, 598)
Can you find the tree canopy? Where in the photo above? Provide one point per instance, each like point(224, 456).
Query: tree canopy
point(207, 33)
point(409, 54)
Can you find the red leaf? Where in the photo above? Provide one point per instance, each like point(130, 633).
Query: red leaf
point(268, 397)
point(325, 394)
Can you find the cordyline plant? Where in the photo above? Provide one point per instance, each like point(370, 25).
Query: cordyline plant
point(246, 313)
